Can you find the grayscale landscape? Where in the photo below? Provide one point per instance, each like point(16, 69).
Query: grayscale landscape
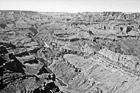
point(61, 52)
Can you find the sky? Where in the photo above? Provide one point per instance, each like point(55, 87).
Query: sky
point(72, 6)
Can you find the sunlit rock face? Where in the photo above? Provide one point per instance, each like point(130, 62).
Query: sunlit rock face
point(69, 52)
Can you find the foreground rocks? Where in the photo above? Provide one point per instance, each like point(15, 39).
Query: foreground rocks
point(69, 53)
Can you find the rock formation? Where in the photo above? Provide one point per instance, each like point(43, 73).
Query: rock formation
point(69, 52)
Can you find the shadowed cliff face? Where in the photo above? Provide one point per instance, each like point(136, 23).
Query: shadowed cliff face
point(69, 52)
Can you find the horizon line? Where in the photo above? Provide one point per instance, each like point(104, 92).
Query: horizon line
point(67, 11)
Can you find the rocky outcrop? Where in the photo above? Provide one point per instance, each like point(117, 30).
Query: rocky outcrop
point(15, 75)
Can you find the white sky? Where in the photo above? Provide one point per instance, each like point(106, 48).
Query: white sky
point(72, 5)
